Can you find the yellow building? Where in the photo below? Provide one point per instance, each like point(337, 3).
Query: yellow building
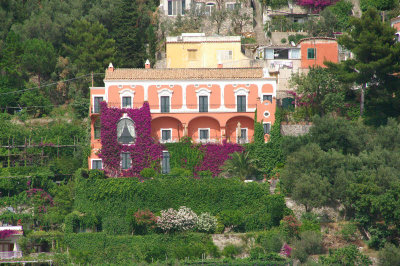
point(195, 50)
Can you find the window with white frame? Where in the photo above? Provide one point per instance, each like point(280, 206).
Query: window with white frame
point(241, 99)
point(96, 104)
point(241, 103)
point(267, 97)
point(242, 137)
point(209, 9)
point(203, 96)
point(165, 108)
point(127, 98)
point(267, 128)
point(126, 102)
point(203, 104)
point(165, 96)
point(126, 131)
point(204, 134)
point(97, 164)
point(166, 135)
point(232, 5)
point(224, 55)
point(176, 7)
point(125, 160)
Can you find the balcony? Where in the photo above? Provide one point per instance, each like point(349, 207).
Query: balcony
point(10, 254)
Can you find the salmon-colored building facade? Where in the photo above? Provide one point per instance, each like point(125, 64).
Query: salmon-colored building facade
point(316, 51)
point(205, 104)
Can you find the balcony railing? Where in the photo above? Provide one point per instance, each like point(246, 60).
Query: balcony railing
point(189, 107)
point(10, 254)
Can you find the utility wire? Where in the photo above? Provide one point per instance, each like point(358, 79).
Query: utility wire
point(51, 84)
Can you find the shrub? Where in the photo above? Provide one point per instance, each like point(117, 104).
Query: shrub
point(144, 221)
point(233, 219)
point(171, 220)
point(310, 222)
point(389, 255)
point(148, 173)
point(271, 240)
point(290, 226)
point(283, 40)
point(230, 251)
point(348, 255)
point(349, 232)
point(310, 243)
point(206, 223)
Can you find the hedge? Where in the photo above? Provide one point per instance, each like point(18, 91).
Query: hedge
point(100, 248)
point(116, 200)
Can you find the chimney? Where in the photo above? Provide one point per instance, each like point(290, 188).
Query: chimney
point(220, 65)
point(147, 64)
point(111, 67)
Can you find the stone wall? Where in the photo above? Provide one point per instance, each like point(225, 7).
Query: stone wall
point(295, 129)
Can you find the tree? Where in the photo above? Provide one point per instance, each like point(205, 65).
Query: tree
point(318, 90)
point(389, 255)
point(39, 58)
point(218, 16)
point(311, 190)
point(239, 19)
point(12, 74)
point(130, 25)
point(376, 57)
point(239, 165)
point(89, 49)
point(378, 4)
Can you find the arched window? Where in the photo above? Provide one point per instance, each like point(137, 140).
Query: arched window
point(126, 131)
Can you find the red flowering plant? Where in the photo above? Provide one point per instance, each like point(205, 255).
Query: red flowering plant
point(144, 221)
point(286, 250)
point(143, 152)
point(215, 156)
point(290, 226)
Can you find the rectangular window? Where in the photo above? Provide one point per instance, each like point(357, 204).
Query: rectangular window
point(241, 103)
point(204, 134)
point(166, 135)
point(311, 53)
point(97, 164)
point(209, 9)
point(169, 8)
point(176, 7)
point(165, 104)
point(127, 102)
point(97, 129)
point(192, 54)
point(165, 166)
point(125, 160)
point(242, 138)
point(224, 55)
point(294, 54)
point(267, 98)
point(97, 101)
point(203, 104)
point(267, 128)
point(269, 53)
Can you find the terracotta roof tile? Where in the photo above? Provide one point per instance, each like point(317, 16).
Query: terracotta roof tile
point(183, 73)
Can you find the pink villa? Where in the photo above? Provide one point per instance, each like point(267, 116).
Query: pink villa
point(207, 104)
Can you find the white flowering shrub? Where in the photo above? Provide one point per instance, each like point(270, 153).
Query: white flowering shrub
point(180, 220)
point(206, 223)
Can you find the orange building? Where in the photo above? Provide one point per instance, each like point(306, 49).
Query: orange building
point(315, 51)
point(205, 104)
point(395, 23)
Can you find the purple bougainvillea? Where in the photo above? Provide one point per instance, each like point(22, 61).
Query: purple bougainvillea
point(316, 5)
point(143, 152)
point(215, 156)
point(7, 233)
